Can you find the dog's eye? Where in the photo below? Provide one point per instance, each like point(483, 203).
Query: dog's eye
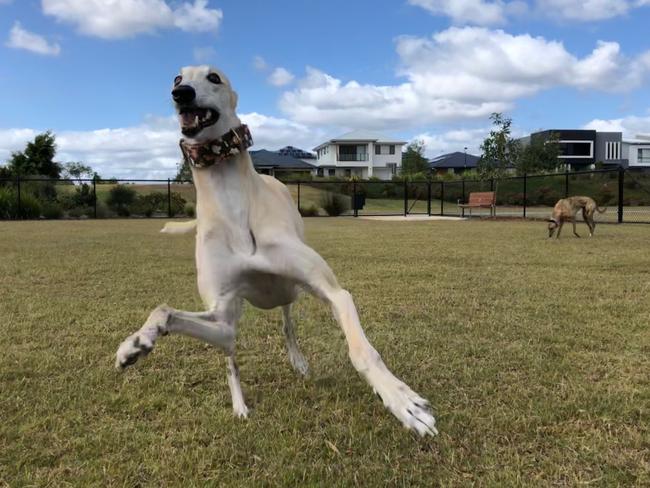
point(177, 80)
point(214, 78)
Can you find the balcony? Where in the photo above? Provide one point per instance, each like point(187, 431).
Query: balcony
point(353, 157)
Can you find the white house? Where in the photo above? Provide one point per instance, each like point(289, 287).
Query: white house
point(359, 153)
point(637, 151)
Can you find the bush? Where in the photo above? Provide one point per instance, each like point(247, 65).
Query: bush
point(7, 203)
point(311, 211)
point(334, 203)
point(190, 211)
point(52, 210)
point(150, 204)
point(177, 203)
point(30, 207)
point(120, 197)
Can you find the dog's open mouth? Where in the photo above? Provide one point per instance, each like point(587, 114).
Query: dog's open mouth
point(194, 119)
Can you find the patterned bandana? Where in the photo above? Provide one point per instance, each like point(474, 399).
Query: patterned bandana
point(212, 152)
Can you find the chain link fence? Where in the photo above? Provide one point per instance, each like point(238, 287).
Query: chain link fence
point(625, 194)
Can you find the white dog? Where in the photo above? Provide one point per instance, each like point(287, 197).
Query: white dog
point(250, 245)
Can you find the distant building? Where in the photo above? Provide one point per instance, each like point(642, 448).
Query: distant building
point(455, 162)
point(637, 151)
point(275, 164)
point(582, 149)
point(363, 154)
point(295, 153)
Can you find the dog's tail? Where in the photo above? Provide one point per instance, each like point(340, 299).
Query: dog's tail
point(601, 210)
point(179, 227)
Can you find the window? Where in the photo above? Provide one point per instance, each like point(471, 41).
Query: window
point(348, 173)
point(331, 172)
point(392, 167)
point(613, 150)
point(643, 156)
point(377, 149)
point(576, 149)
point(391, 149)
point(319, 172)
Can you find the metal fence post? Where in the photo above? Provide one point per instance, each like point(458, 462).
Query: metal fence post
point(20, 213)
point(492, 184)
point(95, 197)
point(169, 197)
point(463, 186)
point(298, 195)
point(429, 198)
point(406, 203)
point(621, 179)
point(354, 198)
point(442, 198)
point(524, 195)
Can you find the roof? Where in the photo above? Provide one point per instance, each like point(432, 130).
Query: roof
point(362, 136)
point(454, 160)
point(269, 159)
point(295, 152)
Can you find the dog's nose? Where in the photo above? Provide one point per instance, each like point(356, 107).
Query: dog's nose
point(183, 94)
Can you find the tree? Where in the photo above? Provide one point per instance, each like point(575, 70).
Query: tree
point(413, 160)
point(37, 158)
point(184, 171)
point(500, 151)
point(76, 171)
point(540, 156)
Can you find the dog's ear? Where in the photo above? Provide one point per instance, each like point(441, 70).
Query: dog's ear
point(233, 99)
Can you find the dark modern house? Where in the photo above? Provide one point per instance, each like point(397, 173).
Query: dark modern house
point(582, 149)
point(455, 162)
point(274, 164)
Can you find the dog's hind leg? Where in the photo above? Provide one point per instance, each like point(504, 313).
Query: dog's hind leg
point(573, 222)
point(166, 320)
point(239, 407)
point(295, 356)
point(589, 220)
point(308, 268)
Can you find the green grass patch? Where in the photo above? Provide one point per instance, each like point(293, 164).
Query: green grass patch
point(534, 353)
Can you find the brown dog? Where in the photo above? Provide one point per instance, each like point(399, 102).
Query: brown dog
point(567, 208)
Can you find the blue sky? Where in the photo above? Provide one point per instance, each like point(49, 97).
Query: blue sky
point(99, 76)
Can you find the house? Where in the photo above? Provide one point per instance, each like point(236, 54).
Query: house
point(582, 149)
point(363, 154)
point(295, 152)
point(455, 162)
point(275, 164)
point(637, 152)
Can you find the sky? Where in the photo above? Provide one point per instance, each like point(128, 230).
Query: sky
point(98, 73)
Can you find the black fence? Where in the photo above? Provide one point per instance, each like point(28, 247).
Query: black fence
point(625, 194)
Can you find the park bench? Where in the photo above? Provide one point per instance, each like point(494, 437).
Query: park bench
point(485, 199)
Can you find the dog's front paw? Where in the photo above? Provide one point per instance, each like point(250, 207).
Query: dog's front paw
point(410, 408)
point(132, 349)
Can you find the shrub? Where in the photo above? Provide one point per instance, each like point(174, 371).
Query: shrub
point(311, 211)
point(7, 203)
point(30, 207)
point(605, 194)
point(150, 204)
point(334, 204)
point(189, 210)
point(177, 203)
point(120, 197)
point(52, 210)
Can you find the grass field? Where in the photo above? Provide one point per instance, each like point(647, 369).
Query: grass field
point(534, 353)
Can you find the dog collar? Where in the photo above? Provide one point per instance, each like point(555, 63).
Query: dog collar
point(212, 152)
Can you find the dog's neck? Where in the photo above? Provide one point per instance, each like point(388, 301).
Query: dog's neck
point(223, 195)
point(214, 151)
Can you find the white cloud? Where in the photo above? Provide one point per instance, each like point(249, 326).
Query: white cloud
point(496, 12)
point(436, 144)
point(584, 10)
point(150, 150)
point(631, 126)
point(459, 73)
point(260, 64)
point(20, 38)
point(280, 77)
point(475, 12)
point(117, 19)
